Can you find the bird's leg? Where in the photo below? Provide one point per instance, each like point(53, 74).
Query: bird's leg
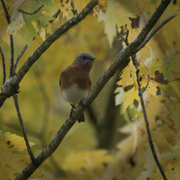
point(73, 106)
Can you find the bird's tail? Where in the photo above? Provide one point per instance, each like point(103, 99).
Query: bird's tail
point(81, 118)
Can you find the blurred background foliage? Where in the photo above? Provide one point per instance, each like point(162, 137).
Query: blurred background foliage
point(41, 104)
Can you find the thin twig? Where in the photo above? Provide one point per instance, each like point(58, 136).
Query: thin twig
point(127, 44)
point(55, 15)
point(6, 12)
point(28, 13)
point(148, 129)
point(15, 96)
point(141, 91)
point(23, 129)
point(156, 30)
point(12, 56)
point(144, 88)
point(19, 57)
point(3, 65)
point(11, 40)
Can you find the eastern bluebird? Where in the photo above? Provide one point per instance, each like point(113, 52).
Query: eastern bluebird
point(74, 81)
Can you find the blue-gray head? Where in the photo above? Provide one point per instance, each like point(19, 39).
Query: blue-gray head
point(84, 58)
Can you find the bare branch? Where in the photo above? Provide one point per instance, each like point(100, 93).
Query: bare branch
point(141, 91)
point(12, 56)
point(6, 12)
point(3, 65)
point(11, 39)
point(19, 57)
point(55, 15)
point(125, 39)
point(34, 12)
point(155, 30)
point(23, 129)
point(144, 88)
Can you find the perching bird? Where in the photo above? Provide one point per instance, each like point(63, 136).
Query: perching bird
point(74, 81)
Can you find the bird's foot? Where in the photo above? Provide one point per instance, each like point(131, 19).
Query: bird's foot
point(73, 106)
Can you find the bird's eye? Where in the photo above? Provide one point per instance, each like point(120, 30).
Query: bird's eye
point(84, 57)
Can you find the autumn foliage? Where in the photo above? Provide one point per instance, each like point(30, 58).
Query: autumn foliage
point(93, 150)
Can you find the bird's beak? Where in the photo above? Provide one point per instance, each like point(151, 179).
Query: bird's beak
point(93, 59)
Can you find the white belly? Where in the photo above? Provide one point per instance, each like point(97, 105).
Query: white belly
point(73, 95)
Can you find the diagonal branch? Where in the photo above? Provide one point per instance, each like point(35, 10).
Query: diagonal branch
point(121, 61)
point(11, 86)
point(155, 30)
point(19, 57)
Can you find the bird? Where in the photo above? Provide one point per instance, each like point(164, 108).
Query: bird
point(75, 82)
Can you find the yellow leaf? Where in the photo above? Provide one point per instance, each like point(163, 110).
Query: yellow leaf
point(12, 158)
point(103, 5)
point(130, 6)
point(83, 4)
point(142, 55)
point(130, 96)
point(115, 14)
point(77, 5)
point(156, 107)
point(87, 164)
point(170, 165)
point(128, 76)
point(66, 9)
point(152, 86)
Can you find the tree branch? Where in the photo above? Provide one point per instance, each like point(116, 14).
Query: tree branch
point(155, 30)
point(11, 40)
point(12, 55)
point(23, 129)
point(148, 131)
point(141, 91)
point(6, 12)
point(121, 61)
point(19, 57)
point(32, 12)
point(3, 65)
point(11, 86)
